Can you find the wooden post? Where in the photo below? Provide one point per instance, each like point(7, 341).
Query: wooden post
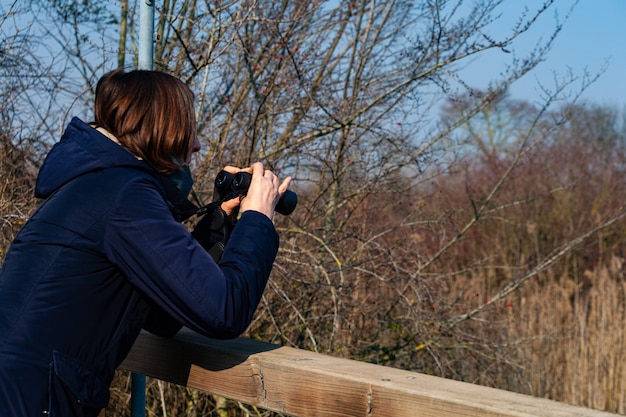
point(305, 384)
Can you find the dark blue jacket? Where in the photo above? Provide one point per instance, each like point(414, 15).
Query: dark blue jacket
point(100, 259)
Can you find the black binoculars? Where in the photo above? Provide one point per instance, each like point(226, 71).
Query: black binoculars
point(230, 186)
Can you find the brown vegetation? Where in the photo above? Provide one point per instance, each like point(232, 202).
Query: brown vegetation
point(366, 294)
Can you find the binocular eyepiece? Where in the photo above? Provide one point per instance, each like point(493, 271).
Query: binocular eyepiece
point(230, 186)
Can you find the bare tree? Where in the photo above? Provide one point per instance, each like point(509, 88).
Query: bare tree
point(19, 154)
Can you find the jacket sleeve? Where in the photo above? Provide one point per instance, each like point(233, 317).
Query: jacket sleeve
point(165, 263)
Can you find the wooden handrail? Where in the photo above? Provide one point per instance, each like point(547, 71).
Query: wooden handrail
point(306, 384)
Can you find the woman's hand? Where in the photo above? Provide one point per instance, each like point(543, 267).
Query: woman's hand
point(230, 206)
point(264, 192)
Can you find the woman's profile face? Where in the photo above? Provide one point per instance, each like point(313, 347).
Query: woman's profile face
point(194, 146)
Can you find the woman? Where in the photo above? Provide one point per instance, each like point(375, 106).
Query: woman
point(105, 255)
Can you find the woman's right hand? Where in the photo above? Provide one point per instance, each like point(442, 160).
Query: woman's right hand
point(264, 192)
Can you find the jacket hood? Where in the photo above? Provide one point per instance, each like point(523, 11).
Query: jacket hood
point(82, 149)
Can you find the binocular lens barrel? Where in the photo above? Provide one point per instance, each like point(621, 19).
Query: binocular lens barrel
point(230, 186)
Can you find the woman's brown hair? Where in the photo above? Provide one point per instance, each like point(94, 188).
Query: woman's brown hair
point(150, 113)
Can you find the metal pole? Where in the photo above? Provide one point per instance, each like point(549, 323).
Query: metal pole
point(146, 62)
point(146, 35)
point(138, 395)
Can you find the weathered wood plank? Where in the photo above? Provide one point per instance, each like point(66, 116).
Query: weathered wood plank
point(306, 384)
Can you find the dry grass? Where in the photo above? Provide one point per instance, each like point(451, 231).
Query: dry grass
point(560, 339)
point(578, 351)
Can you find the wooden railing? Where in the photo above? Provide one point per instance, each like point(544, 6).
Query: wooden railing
point(306, 384)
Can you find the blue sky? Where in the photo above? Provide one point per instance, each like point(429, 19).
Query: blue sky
point(592, 38)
